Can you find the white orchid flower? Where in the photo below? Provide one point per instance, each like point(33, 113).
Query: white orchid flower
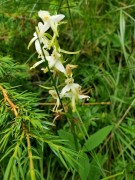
point(54, 61)
point(74, 98)
point(42, 59)
point(39, 38)
point(55, 96)
point(72, 91)
point(50, 21)
point(71, 86)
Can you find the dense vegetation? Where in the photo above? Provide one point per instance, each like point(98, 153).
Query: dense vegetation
point(96, 140)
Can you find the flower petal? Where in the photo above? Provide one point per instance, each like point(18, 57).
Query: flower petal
point(43, 14)
point(83, 96)
point(57, 18)
point(38, 47)
point(43, 27)
point(37, 63)
point(75, 88)
point(32, 40)
point(60, 67)
point(65, 89)
point(51, 61)
point(46, 53)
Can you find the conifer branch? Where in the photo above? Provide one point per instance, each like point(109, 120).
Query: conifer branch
point(14, 108)
point(32, 172)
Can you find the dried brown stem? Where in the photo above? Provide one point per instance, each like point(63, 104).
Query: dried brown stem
point(11, 104)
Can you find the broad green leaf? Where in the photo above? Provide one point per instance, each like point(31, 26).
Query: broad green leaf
point(97, 138)
point(84, 167)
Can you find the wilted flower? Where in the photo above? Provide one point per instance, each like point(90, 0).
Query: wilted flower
point(55, 96)
point(69, 68)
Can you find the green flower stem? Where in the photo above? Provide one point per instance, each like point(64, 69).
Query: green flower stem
point(84, 129)
point(74, 134)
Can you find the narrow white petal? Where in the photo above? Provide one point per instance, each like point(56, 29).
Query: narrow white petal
point(32, 40)
point(57, 18)
point(54, 27)
point(46, 53)
point(65, 89)
point(83, 96)
point(60, 67)
point(37, 63)
point(51, 61)
point(38, 47)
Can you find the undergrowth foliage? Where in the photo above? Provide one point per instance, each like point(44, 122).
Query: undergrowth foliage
point(49, 127)
point(22, 122)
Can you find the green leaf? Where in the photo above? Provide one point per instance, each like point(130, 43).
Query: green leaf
point(96, 166)
point(122, 27)
point(97, 138)
point(84, 166)
point(70, 139)
point(8, 169)
point(20, 168)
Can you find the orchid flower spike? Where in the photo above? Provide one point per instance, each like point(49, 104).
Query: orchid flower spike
point(50, 21)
